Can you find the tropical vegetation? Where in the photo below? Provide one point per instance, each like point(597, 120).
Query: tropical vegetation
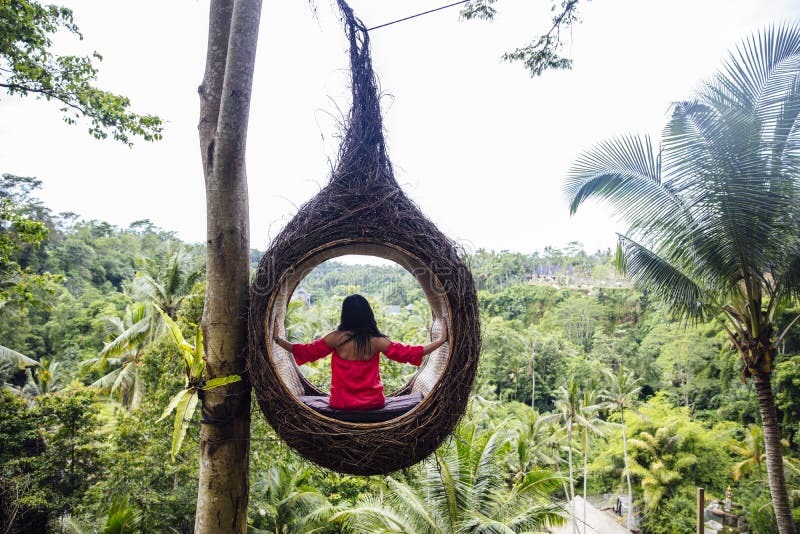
point(617, 386)
point(713, 215)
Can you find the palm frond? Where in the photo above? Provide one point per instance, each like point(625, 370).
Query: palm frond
point(668, 282)
point(113, 325)
point(126, 379)
point(725, 155)
point(487, 476)
point(475, 522)
point(131, 336)
point(70, 525)
point(318, 519)
point(626, 172)
point(762, 68)
point(122, 518)
point(539, 517)
point(149, 289)
point(404, 497)
point(16, 359)
point(372, 515)
point(538, 482)
point(447, 491)
point(106, 382)
point(787, 281)
point(684, 462)
point(304, 500)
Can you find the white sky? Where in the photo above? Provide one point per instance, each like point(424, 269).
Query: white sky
point(477, 143)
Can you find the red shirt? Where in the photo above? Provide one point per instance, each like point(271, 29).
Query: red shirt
point(356, 384)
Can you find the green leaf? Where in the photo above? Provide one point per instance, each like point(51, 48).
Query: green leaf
point(18, 360)
point(183, 415)
point(186, 349)
point(173, 403)
point(126, 339)
point(221, 381)
point(199, 364)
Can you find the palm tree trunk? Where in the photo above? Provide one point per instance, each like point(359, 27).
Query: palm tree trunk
point(572, 478)
point(558, 469)
point(138, 392)
point(627, 468)
point(772, 447)
point(585, 473)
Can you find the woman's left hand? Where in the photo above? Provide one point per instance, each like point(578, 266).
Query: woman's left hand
point(276, 332)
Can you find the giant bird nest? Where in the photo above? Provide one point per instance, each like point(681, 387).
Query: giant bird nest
point(362, 210)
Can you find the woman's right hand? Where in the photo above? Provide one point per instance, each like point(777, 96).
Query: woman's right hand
point(430, 347)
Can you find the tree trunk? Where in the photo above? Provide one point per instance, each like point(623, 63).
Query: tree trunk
point(533, 381)
point(627, 469)
point(772, 448)
point(138, 392)
point(557, 456)
point(585, 473)
point(571, 478)
point(224, 110)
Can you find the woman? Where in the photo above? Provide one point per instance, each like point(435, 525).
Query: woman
point(355, 344)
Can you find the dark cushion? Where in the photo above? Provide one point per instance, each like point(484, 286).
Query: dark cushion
point(394, 407)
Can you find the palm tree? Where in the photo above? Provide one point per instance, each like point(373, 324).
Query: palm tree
point(752, 450)
point(533, 443)
point(41, 378)
point(622, 394)
point(122, 519)
point(132, 334)
point(461, 491)
point(44, 378)
point(714, 216)
point(289, 500)
point(662, 470)
point(568, 412)
point(590, 425)
point(658, 480)
point(166, 284)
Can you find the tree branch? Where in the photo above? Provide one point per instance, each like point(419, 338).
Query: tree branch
point(50, 95)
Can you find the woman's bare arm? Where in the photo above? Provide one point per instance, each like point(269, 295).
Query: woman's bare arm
point(333, 339)
point(430, 347)
point(276, 337)
point(382, 343)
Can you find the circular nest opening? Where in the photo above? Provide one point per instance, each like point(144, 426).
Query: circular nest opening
point(444, 380)
point(288, 373)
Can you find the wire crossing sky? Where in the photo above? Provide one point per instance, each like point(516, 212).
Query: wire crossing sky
point(417, 15)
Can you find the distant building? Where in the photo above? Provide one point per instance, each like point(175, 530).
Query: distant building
point(392, 309)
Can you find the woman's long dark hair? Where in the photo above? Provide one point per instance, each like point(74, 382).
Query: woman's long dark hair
point(358, 321)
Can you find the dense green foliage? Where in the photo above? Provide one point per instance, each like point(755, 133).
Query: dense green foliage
point(712, 214)
point(585, 383)
point(86, 450)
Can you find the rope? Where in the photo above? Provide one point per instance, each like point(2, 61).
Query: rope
point(363, 163)
point(417, 15)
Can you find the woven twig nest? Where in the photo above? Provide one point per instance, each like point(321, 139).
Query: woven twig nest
point(363, 211)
